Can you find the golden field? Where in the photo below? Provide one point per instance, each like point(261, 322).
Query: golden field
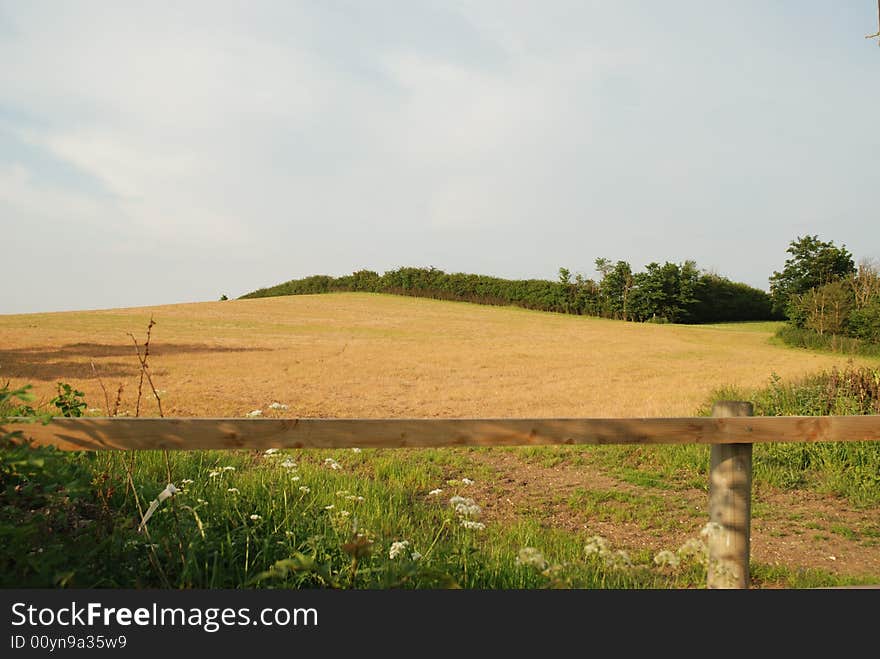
point(368, 355)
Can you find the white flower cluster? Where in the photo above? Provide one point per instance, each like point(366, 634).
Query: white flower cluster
point(694, 549)
point(467, 511)
point(397, 548)
point(598, 546)
point(666, 557)
point(277, 406)
point(217, 472)
point(330, 462)
point(531, 557)
point(435, 491)
point(711, 530)
point(254, 413)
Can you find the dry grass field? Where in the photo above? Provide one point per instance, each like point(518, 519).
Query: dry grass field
point(368, 355)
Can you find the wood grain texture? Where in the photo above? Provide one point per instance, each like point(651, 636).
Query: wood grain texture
point(95, 433)
point(730, 505)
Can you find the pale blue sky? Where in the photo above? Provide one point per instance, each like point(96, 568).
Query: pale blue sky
point(169, 152)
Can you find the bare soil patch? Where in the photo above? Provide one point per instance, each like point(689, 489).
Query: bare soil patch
point(796, 529)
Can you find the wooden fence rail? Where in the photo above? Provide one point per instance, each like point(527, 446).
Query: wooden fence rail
point(93, 433)
point(731, 431)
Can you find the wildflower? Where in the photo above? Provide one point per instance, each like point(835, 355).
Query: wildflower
point(330, 507)
point(255, 517)
point(254, 413)
point(278, 406)
point(467, 481)
point(531, 557)
point(228, 468)
point(294, 478)
point(435, 491)
point(355, 450)
point(596, 545)
point(214, 473)
point(474, 526)
point(270, 451)
point(234, 490)
point(201, 501)
point(341, 493)
point(330, 462)
point(618, 559)
point(710, 530)
point(696, 549)
point(416, 555)
point(304, 489)
point(397, 548)
point(344, 513)
point(288, 464)
point(186, 481)
point(464, 507)
point(666, 557)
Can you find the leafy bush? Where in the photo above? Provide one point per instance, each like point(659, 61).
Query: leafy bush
point(51, 521)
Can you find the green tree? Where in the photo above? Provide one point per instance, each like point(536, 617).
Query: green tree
point(813, 263)
point(615, 287)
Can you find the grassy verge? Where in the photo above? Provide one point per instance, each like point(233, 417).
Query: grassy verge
point(834, 343)
point(850, 470)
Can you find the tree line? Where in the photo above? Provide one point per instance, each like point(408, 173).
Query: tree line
point(671, 292)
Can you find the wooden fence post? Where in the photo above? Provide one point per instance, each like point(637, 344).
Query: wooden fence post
point(730, 506)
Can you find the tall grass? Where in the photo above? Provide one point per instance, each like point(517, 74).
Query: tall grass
point(337, 519)
point(847, 469)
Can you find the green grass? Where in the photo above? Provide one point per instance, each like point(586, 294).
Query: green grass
point(648, 511)
point(847, 469)
point(251, 524)
point(761, 326)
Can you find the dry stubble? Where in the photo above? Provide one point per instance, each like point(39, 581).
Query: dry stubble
point(367, 355)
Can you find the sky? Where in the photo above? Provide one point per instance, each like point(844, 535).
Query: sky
point(165, 152)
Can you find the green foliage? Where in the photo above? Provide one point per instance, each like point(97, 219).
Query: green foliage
point(842, 315)
point(69, 401)
point(722, 300)
point(224, 297)
point(824, 309)
point(864, 323)
point(813, 263)
point(670, 293)
point(811, 340)
point(50, 521)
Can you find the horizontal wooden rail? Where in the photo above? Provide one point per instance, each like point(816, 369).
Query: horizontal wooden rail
point(93, 433)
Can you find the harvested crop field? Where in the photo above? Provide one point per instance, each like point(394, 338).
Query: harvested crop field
point(367, 355)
